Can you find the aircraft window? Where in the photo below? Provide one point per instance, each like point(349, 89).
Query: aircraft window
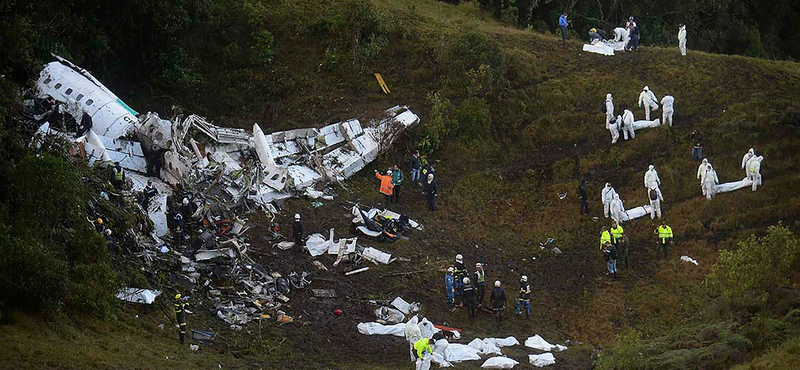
point(58, 86)
point(275, 177)
point(79, 97)
point(283, 180)
point(48, 81)
point(89, 102)
point(69, 91)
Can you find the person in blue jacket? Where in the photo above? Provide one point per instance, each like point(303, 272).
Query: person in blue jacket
point(448, 286)
point(563, 23)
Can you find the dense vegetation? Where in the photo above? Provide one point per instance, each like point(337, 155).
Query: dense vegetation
point(513, 118)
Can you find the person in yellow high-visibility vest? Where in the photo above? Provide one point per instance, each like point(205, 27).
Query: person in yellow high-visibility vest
point(605, 236)
point(423, 353)
point(664, 233)
point(620, 241)
point(180, 315)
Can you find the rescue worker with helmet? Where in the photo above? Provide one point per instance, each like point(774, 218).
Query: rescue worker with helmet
point(524, 298)
point(180, 315)
point(387, 185)
point(479, 279)
point(459, 273)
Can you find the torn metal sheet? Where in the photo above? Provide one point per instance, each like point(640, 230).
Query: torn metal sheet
point(405, 307)
point(377, 255)
point(348, 246)
point(219, 134)
point(214, 253)
point(136, 295)
point(157, 209)
point(128, 153)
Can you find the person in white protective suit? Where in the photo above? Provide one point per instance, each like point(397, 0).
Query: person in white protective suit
point(747, 156)
point(607, 195)
point(651, 176)
point(609, 109)
point(439, 355)
point(709, 182)
point(621, 34)
point(617, 209)
point(412, 335)
point(613, 127)
point(754, 171)
point(649, 99)
point(667, 109)
point(701, 173)
point(627, 124)
point(682, 39)
point(656, 198)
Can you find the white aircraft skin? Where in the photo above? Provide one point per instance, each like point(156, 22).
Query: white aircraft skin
point(73, 85)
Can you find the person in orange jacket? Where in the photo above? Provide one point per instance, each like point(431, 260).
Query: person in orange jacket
point(386, 184)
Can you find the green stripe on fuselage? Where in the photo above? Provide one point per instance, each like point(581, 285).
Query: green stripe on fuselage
point(127, 107)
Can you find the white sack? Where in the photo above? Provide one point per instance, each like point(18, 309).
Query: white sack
point(456, 353)
point(374, 328)
point(731, 186)
point(640, 124)
point(545, 359)
point(537, 342)
point(499, 363)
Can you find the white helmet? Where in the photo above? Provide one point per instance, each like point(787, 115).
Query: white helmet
point(430, 177)
point(524, 278)
point(466, 280)
point(451, 269)
point(459, 258)
point(297, 217)
point(497, 284)
point(108, 231)
point(478, 264)
point(186, 201)
point(608, 96)
point(389, 172)
point(651, 167)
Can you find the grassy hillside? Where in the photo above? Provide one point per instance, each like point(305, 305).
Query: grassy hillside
point(514, 119)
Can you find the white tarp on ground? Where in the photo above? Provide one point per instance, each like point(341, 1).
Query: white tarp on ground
point(636, 212)
point(373, 254)
point(487, 347)
point(537, 342)
point(157, 209)
point(504, 342)
point(545, 359)
point(456, 353)
point(599, 48)
point(136, 295)
point(318, 245)
point(374, 328)
point(640, 124)
point(690, 260)
point(499, 363)
point(731, 186)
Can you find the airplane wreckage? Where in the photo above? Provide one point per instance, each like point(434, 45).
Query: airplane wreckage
point(212, 175)
point(258, 167)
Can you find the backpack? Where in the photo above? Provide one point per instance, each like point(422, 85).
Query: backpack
point(603, 108)
point(653, 194)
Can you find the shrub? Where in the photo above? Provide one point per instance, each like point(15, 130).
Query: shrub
point(759, 264)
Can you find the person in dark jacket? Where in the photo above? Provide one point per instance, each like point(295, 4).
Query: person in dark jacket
point(498, 299)
point(148, 193)
point(633, 31)
point(470, 300)
point(397, 181)
point(431, 190)
point(583, 197)
point(155, 159)
point(610, 255)
point(414, 166)
point(297, 230)
point(697, 145)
